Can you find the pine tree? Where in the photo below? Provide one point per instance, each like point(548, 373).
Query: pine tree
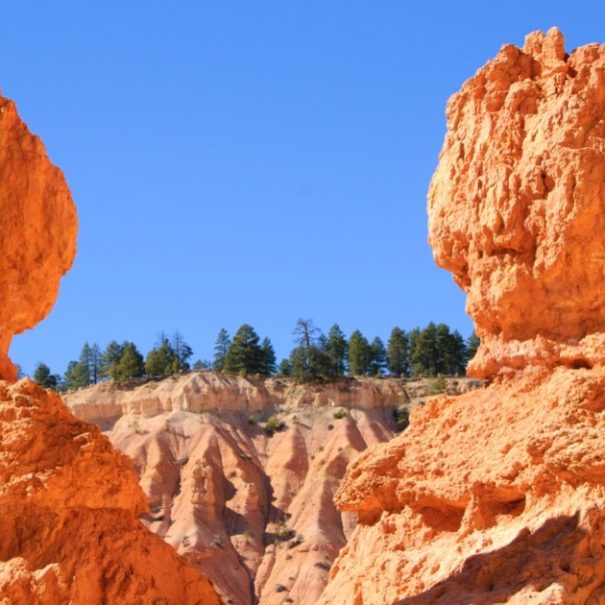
point(425, 354)
point(221, 346)
point(360, 354)
point(76, 376)
point(161, 361)
point(336, 348)
point(398, 361)
point(378, 357)
point(311, 364)
point(86, 362)
point(306, 333)
point(471, 346)
point(268, 357)
point(244, 355)
point(130, 365)
point(110, 357)
point(94, 364)
point(182, 353)
point(44, 377)
point(285, 368)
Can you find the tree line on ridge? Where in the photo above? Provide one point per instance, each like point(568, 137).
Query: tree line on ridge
point(316, 357)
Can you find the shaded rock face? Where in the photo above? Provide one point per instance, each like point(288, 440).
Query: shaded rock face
point(516, 205)
point(69, 500)
point(38, 226)
point(497, 496)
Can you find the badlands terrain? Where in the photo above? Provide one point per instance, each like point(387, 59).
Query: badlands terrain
point(241, 473)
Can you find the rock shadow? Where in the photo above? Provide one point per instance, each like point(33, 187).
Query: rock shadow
point(535, 559)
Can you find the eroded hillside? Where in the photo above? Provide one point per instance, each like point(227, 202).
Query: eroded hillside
point(241, 473)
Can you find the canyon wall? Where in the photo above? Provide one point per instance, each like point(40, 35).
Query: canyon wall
point(70, 501)
point(497, 496)
point(241, 472)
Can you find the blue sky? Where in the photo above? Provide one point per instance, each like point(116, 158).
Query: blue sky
point(250, 161)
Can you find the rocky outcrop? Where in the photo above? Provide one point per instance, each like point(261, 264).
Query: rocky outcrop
point(497, 496)
point(252, 507)
point(69, 524)
point(38, 226)
point(516, 204)
point(69, 500)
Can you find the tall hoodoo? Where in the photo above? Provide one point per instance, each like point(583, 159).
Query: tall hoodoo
point(38, 228)
point(517, 204)
point(498, 496)
point(69, 500)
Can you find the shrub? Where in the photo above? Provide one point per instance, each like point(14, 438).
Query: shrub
point(402, 418)
point(274, 425)
point(338, 414)
point(438, 385)
point(330, 427)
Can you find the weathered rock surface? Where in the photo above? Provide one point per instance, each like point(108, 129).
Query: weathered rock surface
point(497, 496)
point(254, 512)
point(69, 500)
point(69, 524)
point(516, 204)
point(38, 226)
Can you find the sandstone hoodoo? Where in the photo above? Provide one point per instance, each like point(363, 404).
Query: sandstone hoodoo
point(38, 226)
point(497, 496)
point(70, 501)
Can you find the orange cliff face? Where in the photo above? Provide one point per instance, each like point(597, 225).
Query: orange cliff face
point(69, 500)
point(498, 495)
point(38, 225)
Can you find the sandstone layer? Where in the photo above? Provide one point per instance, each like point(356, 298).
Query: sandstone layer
point(38, 226)
point(70, 501)
point(254, 512)
point(498, 496)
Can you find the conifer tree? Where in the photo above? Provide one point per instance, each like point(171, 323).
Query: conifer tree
point(94, 364)
point(471, 346)
point(245, 354)
point(268, 357)
point(336, 348)
point(76, 376)
point(360, 354)
point(221, 347)
point(398, 362)
point(44, 377)
point(161, 361)
point(378, 357)
point(110, 357)
point(86, 363)
point(285, 368)
point(182, 353)
point(130, 364)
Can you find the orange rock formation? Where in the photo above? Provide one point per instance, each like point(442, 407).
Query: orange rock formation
point(38, 226)
point(70, 502)
point(498, 496)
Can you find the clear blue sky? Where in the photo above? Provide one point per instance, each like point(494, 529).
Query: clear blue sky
point(254, 161)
